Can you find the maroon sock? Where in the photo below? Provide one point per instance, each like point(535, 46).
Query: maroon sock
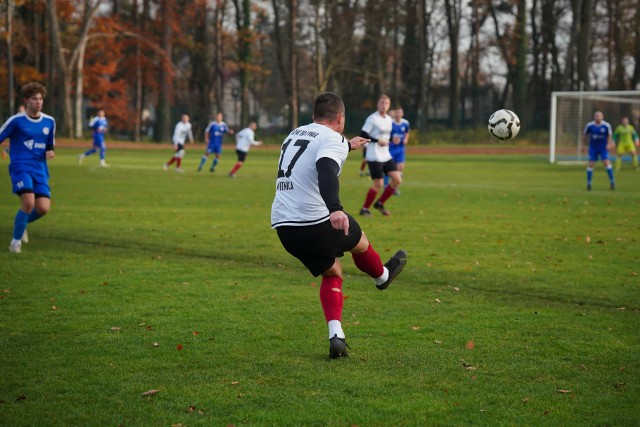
point(369, 262)
point(371, 196)
point(331, 297)
point(173, 159)
point(362, 165)
point(236, 167)
point(388, 192)
point(179, 162)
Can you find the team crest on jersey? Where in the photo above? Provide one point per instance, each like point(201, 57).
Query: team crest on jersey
point(29, 144)
point(45, 131)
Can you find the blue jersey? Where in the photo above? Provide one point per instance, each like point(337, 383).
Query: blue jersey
point(398, 133)
point(216, 132)
point(30, 140)
point(598, 134)
point(99, 126)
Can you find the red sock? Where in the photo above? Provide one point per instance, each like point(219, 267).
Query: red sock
point(331, 297)
point(388, 192)
point(363, 164)
point(173, 159)
point(236, 167)
point(371, 196)
point(369, 262)
point(179, 161)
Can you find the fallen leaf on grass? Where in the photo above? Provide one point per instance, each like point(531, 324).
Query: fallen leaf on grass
point(633, 273)
point(195, 332)
point(455, 288)
point(156, 344)
point(525, 400)
point(314, 285)
point(438, 301)
point(470, 345)
point(179, 347)
point(564, 391)
point(587, 239)
point(150, 392)
point(21, 397)
point(53, 307)
point(235, 382)
point(115, 328)
point(177, 425)
point(148, 327)
point(415, 328)
point(191, 409)
point(437, 342)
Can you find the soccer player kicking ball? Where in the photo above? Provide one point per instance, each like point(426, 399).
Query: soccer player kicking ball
point(98, 126)
point(32, 136)
point(180, 135)
point(309, 218)
point(244, 140)
point(213, 134)
point(597, 135)
point(377, 128)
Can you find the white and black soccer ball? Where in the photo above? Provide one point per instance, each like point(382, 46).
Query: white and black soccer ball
point(504, 124)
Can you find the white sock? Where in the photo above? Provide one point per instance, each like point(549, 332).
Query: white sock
point(335, 328)
point(385, 275)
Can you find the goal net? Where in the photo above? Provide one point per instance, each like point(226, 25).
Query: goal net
point(571, 111)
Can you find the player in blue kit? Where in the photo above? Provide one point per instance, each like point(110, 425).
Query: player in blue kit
point(399, 138)
point(597, 136)
point(98, 126)
point(213, 136)
point(32, 140)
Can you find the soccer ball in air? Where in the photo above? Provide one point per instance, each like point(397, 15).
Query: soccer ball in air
point(504, 124)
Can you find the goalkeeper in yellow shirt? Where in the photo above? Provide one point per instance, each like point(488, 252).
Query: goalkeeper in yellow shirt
point(626, 139)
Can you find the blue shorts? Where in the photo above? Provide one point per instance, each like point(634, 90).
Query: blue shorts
point(397, 154)
point(598, 151)
point(215, 148)
point(30, 181)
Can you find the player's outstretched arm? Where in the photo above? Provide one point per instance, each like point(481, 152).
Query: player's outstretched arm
point(357, 142)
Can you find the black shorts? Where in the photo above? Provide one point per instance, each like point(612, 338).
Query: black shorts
point(242, 155)
point(378, 170)
point(179, 147)
point(317, 246)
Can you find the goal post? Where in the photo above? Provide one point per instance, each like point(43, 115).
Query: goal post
point(571, 111)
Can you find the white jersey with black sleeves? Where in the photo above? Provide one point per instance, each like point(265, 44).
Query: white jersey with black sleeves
point(298, 201)
point(378, 127)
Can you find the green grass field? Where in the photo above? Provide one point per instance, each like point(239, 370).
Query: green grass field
point(143, 280)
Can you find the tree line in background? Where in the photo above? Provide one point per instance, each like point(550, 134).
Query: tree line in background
point(449, 63)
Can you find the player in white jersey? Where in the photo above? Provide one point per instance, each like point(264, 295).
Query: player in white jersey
point(377, 128)
point(181, 133)
point(309, 218)
point(244, 140)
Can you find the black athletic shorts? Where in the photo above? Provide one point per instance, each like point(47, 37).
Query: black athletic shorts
point(179, 147)
point(318, 246)
point(378, 170)
point(242, 155)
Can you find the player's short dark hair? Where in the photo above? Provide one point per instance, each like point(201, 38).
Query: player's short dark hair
point(33, 88)
point(327, 106)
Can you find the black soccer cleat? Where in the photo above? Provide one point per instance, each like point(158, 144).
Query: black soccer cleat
point(365, 212)
point(588, 187)
point(613, 185)
point(395, 265)
point(381, 208)
point(338, 347)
